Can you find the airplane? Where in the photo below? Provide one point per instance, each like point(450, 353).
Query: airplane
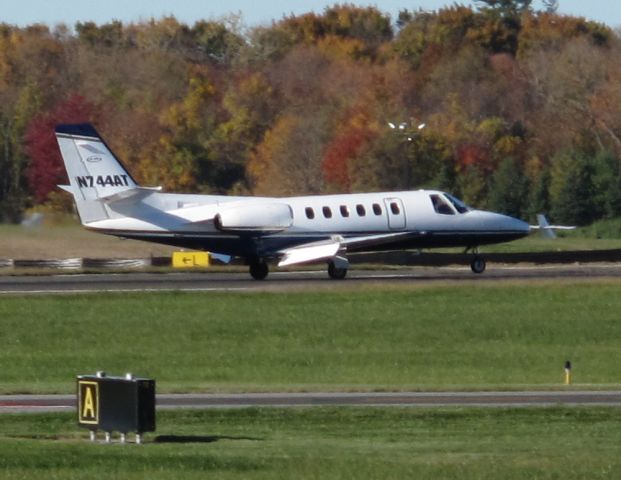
point(291, 230)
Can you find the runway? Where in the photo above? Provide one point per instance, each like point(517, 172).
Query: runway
point(60, 403)
point(280, 281)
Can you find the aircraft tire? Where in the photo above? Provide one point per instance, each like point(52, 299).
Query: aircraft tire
point(336, 273)
point(259, 270)
point(478, 264)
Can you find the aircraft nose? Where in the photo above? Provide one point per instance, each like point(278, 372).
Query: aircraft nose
point(514, 224)
point(498, 221)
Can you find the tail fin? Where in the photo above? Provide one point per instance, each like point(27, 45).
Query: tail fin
point(95, 174)
point(544, 225)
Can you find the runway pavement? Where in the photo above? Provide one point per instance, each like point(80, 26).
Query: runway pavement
point(290, 281)
point(55, 403)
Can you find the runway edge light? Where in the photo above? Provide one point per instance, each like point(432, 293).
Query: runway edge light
point(116, 404)
point(567, 372)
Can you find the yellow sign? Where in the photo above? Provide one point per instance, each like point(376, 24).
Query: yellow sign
point(88, 402)
point(190, 259)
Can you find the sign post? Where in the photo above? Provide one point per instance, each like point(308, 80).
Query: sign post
point(116, 404)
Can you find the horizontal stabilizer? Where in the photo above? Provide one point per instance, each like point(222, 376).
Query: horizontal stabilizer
point(135, 194)
point(66, 188)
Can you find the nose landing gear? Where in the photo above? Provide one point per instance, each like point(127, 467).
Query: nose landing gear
point(478, 264)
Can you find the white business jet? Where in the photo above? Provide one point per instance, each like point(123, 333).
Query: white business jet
point(291, 231)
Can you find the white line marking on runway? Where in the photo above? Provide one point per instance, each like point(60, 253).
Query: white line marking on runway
point(122, 290)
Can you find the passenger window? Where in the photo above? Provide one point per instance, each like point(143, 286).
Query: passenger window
point(441, 206)
point(310, 214)
point(327, 212)
point(344, 211)
point(394, 208)
point(360, 210)
point(377, 210)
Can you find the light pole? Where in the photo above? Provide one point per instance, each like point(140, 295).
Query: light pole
point(408, 130)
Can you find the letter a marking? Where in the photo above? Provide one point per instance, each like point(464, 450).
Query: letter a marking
point(88, 410)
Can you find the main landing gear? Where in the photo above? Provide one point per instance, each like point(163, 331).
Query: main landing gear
point(337, 267)
point(258, 269)
point(336, 273)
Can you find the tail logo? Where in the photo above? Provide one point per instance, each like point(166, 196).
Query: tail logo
point(93, 159)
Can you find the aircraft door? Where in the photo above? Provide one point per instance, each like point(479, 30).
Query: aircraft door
point(396, 213)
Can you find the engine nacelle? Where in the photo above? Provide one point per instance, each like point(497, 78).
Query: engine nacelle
point(269, 217)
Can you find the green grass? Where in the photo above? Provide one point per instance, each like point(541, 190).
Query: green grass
point(475, 336)
point(603, 229)
point(552, 443)
point(569, 241)
point(70, 240)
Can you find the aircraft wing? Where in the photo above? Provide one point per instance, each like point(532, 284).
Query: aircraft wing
point(310, 252)
point(546, 228)
point(329, 249)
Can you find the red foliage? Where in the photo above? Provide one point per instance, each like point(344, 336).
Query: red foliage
point(46, 168)
point(343, 146)
point(470, 154)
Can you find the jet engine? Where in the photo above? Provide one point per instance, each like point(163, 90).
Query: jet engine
point(271, 217)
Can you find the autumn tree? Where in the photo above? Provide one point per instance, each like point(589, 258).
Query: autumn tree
point(46, 168)
point(177, 158)
point(250, 107)
point(288, 160)
point(303, 104)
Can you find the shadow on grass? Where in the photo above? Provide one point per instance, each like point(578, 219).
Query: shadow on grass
point(199, 438)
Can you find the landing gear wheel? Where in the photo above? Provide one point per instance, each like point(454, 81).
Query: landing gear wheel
point(259, 270)
point(336, 273)
point(478, 264)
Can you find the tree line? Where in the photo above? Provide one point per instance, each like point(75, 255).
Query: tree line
point(521, 107)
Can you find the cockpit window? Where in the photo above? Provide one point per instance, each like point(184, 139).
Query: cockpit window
point(460, 206)
point(440, 205)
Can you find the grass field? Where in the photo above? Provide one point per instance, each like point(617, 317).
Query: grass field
point(70, 241)
point(479, 336)
point(554, 443)
point(473, 336)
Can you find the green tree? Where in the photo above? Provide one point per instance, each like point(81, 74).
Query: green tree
point(572, 192)
point(509, 189)
point(607, 184)
point(539, 194)
point(505, 8)
point(472, 186)
point(14, 118)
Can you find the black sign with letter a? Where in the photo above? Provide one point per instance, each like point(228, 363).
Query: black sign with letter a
point(88, 402)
